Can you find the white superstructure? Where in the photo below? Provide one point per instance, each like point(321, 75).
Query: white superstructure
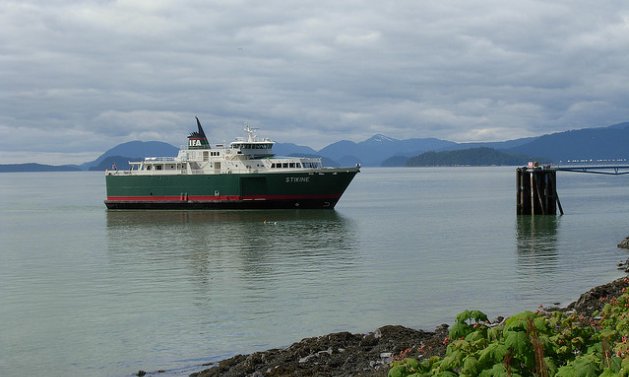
point(244, 155)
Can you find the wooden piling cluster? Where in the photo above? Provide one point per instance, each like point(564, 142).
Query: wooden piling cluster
point(537, 190)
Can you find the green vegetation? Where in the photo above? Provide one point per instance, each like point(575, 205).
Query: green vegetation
point(540, 344)
point(468, 157)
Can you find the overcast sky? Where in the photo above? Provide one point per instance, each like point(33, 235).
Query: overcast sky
point(79, 77)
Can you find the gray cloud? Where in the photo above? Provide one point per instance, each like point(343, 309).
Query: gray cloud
point(81, 77)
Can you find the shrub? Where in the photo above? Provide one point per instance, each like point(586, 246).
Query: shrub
point(535, 344)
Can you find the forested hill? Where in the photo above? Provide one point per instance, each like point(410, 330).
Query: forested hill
point(482, 156)
point(32, 167)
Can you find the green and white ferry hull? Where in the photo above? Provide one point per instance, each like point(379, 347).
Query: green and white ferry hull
point(317, 189)
point(244, 175)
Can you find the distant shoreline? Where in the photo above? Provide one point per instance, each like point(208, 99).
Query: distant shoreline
point(35, 167)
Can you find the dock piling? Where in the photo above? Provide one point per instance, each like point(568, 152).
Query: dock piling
point(537, 190)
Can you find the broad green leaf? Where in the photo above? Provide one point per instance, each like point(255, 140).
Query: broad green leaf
point(475, 336)
point(459, 330)
point(470, 366)
point(471, 315)
point(493, 354)
point(498, 370)
point(452, 361)
point(398, 371)
point(518, 342)
point(446, 374)
point(608, 373)
point(494, 333)
point(582, 366)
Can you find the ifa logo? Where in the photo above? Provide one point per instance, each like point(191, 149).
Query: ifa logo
point(194, 143)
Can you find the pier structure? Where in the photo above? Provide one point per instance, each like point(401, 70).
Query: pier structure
point(595, 169)
point(537, 190)
point(537, 185)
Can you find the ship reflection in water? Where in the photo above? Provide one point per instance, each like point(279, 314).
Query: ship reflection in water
point(251, 249)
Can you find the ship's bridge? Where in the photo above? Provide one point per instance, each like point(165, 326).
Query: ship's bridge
point(252, 146)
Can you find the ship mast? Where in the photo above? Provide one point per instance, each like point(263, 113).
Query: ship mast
point(251, 133)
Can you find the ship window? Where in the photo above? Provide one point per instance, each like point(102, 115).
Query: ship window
point(285, 165)
point(158, 167)
point(298, 164)
point(292, 164)
point(205, 156)
point(148, 167)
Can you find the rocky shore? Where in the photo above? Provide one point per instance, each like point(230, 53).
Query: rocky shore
point(338, 354)
point(369, 355)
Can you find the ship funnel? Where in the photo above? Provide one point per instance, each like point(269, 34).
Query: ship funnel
point(197, 139)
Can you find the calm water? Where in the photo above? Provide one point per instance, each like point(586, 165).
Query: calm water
point(88, 292)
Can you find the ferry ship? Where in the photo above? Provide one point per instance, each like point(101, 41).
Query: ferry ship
point(242, 175)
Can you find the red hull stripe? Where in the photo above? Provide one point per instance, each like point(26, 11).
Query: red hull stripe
point(213, 198)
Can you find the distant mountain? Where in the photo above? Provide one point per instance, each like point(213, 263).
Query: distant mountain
point(395, 161)
point(378, 148)
point(32, 167)
point(117, 162)
point(494, 144)
point(290, 149)
point(597, 144)
point(140, 149)
point(482, 156)
point(324, 160)
point(606, 143)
